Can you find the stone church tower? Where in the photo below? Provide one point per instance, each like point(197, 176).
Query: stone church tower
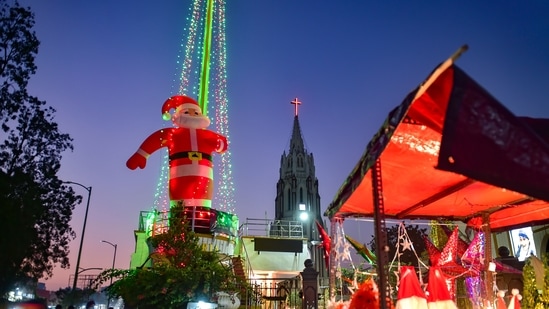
point(297, 191)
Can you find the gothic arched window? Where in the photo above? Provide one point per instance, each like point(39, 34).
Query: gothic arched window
point(289, 199)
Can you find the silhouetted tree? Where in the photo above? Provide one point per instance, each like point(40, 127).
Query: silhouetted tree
point(36, 207)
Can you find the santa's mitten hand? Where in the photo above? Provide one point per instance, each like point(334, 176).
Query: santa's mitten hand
point(221, 145)
point(135, 161)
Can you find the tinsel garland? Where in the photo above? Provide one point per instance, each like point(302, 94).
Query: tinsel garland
point(437, 235)
point(462, 302)
point(535, 296)
point(530, 295)
point(545, 293)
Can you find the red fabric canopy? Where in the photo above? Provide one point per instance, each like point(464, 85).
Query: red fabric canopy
point(451, 151)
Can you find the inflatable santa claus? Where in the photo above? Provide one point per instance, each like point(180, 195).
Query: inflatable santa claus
point(190, 148)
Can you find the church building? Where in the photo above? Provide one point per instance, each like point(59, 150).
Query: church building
point(297, 197)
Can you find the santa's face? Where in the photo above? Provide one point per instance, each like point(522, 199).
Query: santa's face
point(190, 118)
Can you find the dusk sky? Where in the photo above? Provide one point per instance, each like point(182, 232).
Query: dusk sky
point(107, 67)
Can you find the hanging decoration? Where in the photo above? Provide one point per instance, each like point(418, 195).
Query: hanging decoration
point(404, 243)
point(462, 245)
point(474, 254)
point(448, 261)
point(432, 250)
point(410, 293)
point(474, 286)
point(190, 147)
point(438, 295)
point(342, 255)
point(362, 250)
point(473, 260)
point(460, 262)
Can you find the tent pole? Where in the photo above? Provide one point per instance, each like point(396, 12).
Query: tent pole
point(381, 235)
point(488, 275)
point(332, 265)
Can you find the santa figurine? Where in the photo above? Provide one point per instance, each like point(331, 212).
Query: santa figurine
point(515, 299)
point(500, 300)
point(190, 147)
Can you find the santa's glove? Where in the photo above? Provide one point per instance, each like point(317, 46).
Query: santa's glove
point(139, 159)
point(222, 145)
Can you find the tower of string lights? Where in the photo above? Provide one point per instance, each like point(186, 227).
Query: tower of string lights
point(201, 66)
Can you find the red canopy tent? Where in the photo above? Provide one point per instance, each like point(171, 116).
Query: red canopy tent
point(451, 151)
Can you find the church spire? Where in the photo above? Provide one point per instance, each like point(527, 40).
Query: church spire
point(297, 190)
point(296, 143)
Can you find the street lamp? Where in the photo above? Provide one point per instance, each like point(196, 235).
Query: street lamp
point(304, 217)
point(113, 260)
point(83, 270)
point(89, 189)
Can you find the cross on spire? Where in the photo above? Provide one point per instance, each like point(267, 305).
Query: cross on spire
point(295, 102)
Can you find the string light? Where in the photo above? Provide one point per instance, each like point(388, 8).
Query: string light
point(187, 83)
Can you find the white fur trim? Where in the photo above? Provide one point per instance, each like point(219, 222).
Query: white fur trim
point(191, 170)
point(442, 304)
point(197, 202)
point(143, 153)
point(413, 302)
point(189, 105)
point(221, 145)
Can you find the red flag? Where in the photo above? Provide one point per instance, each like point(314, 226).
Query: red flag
point(326, 243)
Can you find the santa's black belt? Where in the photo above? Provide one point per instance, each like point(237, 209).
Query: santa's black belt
point(192, 155)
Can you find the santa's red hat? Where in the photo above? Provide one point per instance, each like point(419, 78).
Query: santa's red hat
point(176, 101)
point(410, 294)
point(438, 295)
point(500, 301)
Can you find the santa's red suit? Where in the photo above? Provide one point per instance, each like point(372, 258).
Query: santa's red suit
point(190, 152)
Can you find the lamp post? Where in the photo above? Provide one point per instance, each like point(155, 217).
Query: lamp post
point(113, 260)
point(83, 270)
point(304, 217)
point(89, 189)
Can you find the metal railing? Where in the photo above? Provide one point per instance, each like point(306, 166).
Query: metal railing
point(272, 293)
point(272, 228)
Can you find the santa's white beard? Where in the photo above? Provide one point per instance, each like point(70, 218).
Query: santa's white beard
point(191, 122)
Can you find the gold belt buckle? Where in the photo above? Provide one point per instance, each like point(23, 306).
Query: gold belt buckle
point(195, 155)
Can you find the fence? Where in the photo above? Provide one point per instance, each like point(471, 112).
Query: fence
point(272, 293)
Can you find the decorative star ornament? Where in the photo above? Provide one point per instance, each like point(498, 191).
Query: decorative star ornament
point(406, 245)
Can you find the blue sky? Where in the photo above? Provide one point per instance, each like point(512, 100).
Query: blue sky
point(107, 67)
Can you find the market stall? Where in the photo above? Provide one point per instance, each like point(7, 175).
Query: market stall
point(450, 151)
